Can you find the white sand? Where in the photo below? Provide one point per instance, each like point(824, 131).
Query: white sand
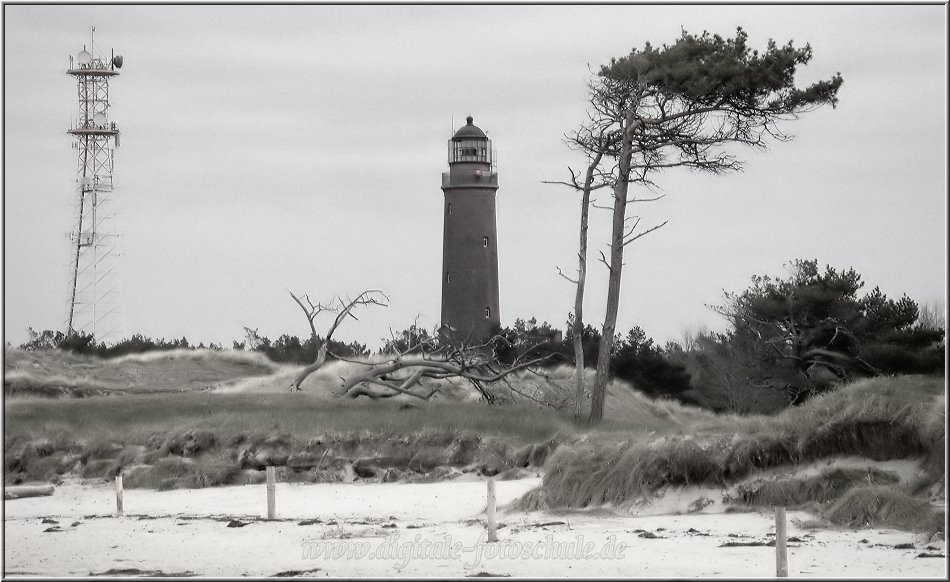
point(182, 534)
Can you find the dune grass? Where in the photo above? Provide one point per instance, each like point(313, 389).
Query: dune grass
point(44, 436)
point(642, 446)
point(133, 419)
point(193, 439)
point(255, 404)
point(534, 500)
point(825, 487)
point(884, 506)
point(849, 497)
point(881, 419)
point(157, 371)
point(171, 472)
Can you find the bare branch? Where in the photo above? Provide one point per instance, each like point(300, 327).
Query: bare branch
point(661, 196)
point(371, 297)
point(561, 273)
point(311, 313)
point(644, 233)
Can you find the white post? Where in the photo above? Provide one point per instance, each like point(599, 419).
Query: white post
point(271, 492)
point(118, 495)
point(492, 525)
point(781, 553)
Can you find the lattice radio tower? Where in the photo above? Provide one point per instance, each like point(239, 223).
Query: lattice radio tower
point(93, 303)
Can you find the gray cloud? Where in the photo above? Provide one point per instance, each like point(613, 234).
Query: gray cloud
point(268, 148)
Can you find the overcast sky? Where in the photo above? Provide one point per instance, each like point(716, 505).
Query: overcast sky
point(275, 148)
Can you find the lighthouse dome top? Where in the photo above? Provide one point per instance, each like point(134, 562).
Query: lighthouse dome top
point(469, 131)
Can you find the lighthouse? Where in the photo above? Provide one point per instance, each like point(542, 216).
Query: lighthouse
point(469, 243)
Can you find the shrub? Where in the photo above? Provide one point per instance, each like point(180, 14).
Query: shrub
point(800, 336)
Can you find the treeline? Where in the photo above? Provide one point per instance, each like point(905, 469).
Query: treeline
point(634, 357)
point(292, 350)
point(79, 342)
point(286, 348)
point(787, 340)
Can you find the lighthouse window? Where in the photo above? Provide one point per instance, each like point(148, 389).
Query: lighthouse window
point(485, 241)
point(470, 151)
point(487, 312)
point(448, 208)
point(448, 277)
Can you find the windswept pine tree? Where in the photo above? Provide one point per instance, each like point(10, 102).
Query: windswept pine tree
point(685, 105)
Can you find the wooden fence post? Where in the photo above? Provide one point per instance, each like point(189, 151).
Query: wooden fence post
point(118, 495)
point(781, 552)
point(271, 493)
point(492, 525)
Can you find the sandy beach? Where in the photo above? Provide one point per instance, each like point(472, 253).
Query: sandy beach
point(433, 529)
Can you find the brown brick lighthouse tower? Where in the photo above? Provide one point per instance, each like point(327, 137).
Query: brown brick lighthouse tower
point(469, 245)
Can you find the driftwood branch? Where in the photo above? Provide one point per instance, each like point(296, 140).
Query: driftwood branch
point(423, 359)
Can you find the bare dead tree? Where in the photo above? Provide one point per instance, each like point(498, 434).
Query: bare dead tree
point(419, 362)
point(477, 364)
point(932, 316)
point(343, 308)
point(594, 179)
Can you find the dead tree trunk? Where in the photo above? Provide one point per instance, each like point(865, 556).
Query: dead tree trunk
point(343, 309)
point(615, 268)
point(577, 326)
point(621, 236)
point(577, 332)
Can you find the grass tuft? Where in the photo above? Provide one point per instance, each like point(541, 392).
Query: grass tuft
point(177, 472)
point(883, 506)
point(827, 486)
point(933, 438)
point(536, 499)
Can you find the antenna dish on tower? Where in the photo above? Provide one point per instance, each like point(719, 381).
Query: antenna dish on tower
point(117, 61)
point(99, 119)
point(84, 58)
